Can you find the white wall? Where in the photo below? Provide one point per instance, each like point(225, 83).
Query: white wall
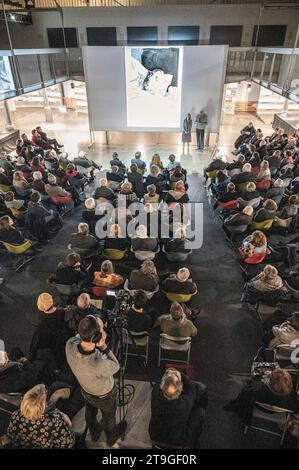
point(161, 16)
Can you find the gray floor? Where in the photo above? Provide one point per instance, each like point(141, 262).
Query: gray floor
point(228, 333)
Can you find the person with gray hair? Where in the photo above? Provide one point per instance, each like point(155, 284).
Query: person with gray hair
point(177, 411)
point(103, 192)
point(82, 239)
point(114, 178)
point(176, 323)
point(239, 218)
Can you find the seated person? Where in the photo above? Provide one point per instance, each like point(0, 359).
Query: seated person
point(136, 180)
point(84, 162)
point(51, 332)
point(137, 316)
point(142, 242)
point(171, 163)
point(177, 244)
point(145, 278)
point(22, 166)
point(36, 425)
point(156, 160)
point(276, 191)
point(4, 179)
point(117, 162)
point(74, 178)
point(290, 210)
point(250, 193)
point(155, 178)
point(89, 214)
point(264, 173)
point(141, 165)
point(38, 184)
point(103, 192)
point(179, 283)
point(178, 174)
point(275, 159)
point(151, 196)
point(236, 164)
point(255, 243)
point(215, 165)
point(127, 194)
point(120, 214)
point(8, 233)
point(12, 203)
point(230, 194)
point(75, 313)
point(285, 333)
point(106, 277)
point(38, 212)
point(239, 218)
point(246, 175)
point(82, 239)
point(70, 271)
point(267, 286)
point(177, 411)
point(19, 182)
point(177, 324)
point(37, 165)
point(114, 178)
point(220, 184)
point(18, 375)
point(53, 189)
point(115, 240)
point(268, 211)
point(178, 194)
point(274, 388)
point(292, 279)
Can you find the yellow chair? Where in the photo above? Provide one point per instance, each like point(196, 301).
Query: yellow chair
point(264, 225)
point(285, 223)
point(17, 249)
point(4, 188)
point(114, 254)
point(212, 174)
point(17, 214)
point(297, 196)
point(242, 186)
point(181, 298)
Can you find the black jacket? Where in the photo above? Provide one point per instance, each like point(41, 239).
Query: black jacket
point(169, 422)
point(68, 275)
point(139, 321)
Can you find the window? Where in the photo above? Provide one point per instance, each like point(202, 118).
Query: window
point(269, 35)
point(146, 35)
point(230, 35)
point(185, 35)
point(55, 37)
point(101, 36)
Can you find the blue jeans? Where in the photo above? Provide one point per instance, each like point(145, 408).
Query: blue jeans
point(200, 138)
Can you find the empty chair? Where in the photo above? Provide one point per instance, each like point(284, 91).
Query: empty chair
point(20, 251)
point(138, 344)
point(272, 415)
point(176, 344)
point(264, 225)
point(114, 254)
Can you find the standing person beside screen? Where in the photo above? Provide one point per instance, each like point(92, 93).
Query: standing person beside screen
point(201, 124)
point(186, 134)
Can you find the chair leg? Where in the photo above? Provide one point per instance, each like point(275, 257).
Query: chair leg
point(159, 355)
point(285, 430)
point(246, 430)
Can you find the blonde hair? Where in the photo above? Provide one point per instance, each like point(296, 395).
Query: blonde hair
point(83, 228)
point(37, 175)
point(179, 185)
point(251, 187)
point(264, 165)
point(248, 210)
point(90, 203)
point(83, 300)
point(114, 230)
point(148, 267)
point(127, 186)
point(247, 168)
point(278, 183)
point(155, 170)
point(34, 402)
point(103, 182)
point(107, 267)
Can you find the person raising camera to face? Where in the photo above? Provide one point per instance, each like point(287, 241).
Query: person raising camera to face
point(94, 365)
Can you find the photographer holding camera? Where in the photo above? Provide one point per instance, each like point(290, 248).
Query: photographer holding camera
point(94, 365)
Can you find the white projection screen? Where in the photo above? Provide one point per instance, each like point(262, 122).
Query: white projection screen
point(153, 88)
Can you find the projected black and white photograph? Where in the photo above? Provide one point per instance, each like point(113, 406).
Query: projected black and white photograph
point(6, 80)
point(153, 86)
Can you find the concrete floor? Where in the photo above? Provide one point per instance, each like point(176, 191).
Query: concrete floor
point(228, 334)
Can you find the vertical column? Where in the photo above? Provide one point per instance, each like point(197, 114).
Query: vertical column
point(47, 107)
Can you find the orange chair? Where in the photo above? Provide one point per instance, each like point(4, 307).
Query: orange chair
point(263, 185)
point(230, 205)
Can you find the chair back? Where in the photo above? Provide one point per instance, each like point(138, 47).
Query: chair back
point(212, 174)
point(237, 228)
point(61, 200)
point(83, 252)
point(174, 297)
point(230, 205)
point(17, 249)
point(65, 289)
point(175, 343)
point(177, 256)
point(285, 223)
point(264, 225)
point(114, 254)
point(149, 294)
point(254, 203)
point(272, 408)
point(4, 188)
